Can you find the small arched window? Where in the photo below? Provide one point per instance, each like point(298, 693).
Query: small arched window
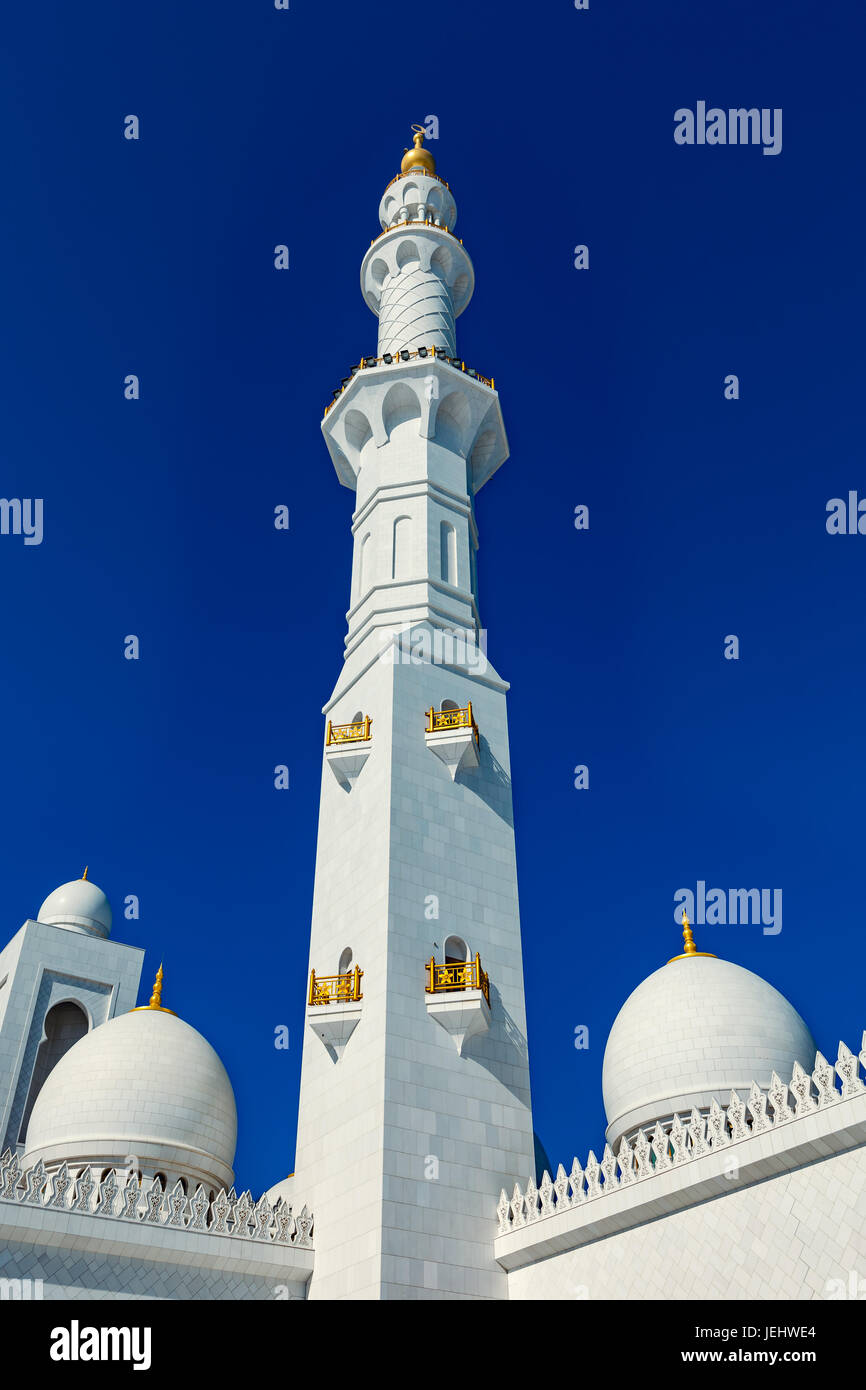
point(448, 553)
point(345, 962)
point(401, 559)
point(364, 566)
point(449, 704)
point(456, 950)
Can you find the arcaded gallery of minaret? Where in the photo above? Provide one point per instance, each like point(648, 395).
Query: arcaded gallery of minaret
point(417, 1171)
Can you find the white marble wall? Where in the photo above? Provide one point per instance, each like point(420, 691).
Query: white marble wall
point(45, 965)
point(400, 1141)
point(788, 1238)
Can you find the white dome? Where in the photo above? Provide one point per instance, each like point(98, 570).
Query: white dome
point(143, 1091)
point(78, 906)
point(697, 1029)
point(284, 1189)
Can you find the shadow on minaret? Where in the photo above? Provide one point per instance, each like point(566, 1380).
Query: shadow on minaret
point(490, 782)
point(486, 1048)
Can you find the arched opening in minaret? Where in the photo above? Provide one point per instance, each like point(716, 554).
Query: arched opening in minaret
point(448, 553)
point(364, 557)
point(456, 950)
point(400, 406)
point(401, 554)
point(407, 253)
point(345, 962)
point(452, 423)
point(64, 1025)
point(449, 704)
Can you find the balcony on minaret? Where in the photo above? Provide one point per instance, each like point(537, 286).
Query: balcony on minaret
point(333, 1008)
point(458, 997)
point(347, 748)
point(452, 735)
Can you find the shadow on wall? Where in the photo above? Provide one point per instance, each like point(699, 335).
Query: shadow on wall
point(486, 1048)
point(490, 782)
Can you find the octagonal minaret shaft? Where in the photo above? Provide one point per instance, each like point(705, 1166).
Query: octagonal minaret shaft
point(413, 431)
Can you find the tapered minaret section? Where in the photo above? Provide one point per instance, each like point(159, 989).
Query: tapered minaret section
point(415, 1104)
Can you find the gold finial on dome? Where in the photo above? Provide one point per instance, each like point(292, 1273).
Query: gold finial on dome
point(689, 947)
point(84, 875)
point(155, 998)
point(418, 158)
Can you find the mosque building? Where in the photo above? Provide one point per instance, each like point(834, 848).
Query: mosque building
point(734, 1160)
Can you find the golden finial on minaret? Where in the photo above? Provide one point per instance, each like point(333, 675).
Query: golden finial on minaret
point(155, 998)
point(418, 158)
point(84, 875)
point(689, 947)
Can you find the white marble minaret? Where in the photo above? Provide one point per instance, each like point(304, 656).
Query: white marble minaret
point(414, 1105)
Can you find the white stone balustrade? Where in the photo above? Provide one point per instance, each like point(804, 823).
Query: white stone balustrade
point(686, 1139)
point(119, 1196)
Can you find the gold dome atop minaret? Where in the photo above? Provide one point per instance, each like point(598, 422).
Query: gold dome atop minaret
point(418, 158)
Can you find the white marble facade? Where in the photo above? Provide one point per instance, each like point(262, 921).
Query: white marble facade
point(735, 1157)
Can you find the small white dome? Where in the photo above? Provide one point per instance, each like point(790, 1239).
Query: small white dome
point(143, 1091)
point(697, 1028)
point(284, 1189)
point(78, 906)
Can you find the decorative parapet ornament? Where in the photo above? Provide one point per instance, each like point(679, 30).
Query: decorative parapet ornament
point(452, 735)
point(333, 1008)
point(347, 748)
point(689, 1138)
point(120, 1196)
point(458, 997)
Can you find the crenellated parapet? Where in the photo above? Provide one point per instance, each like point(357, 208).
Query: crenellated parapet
point(121, 1196)
point(686, 1139)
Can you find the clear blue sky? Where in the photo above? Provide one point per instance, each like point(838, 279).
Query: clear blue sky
point(261, 127)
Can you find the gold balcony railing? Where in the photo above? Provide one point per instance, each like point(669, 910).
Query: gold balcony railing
point(417, 222)
point(428, 174)
point(452, 719)
point(406, 355)
point(456, 975)
point(348, 733)
point(336, 989)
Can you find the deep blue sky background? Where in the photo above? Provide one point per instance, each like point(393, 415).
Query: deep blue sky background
point(707, 517)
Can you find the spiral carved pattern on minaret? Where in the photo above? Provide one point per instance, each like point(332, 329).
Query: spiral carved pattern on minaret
point(416, 310)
